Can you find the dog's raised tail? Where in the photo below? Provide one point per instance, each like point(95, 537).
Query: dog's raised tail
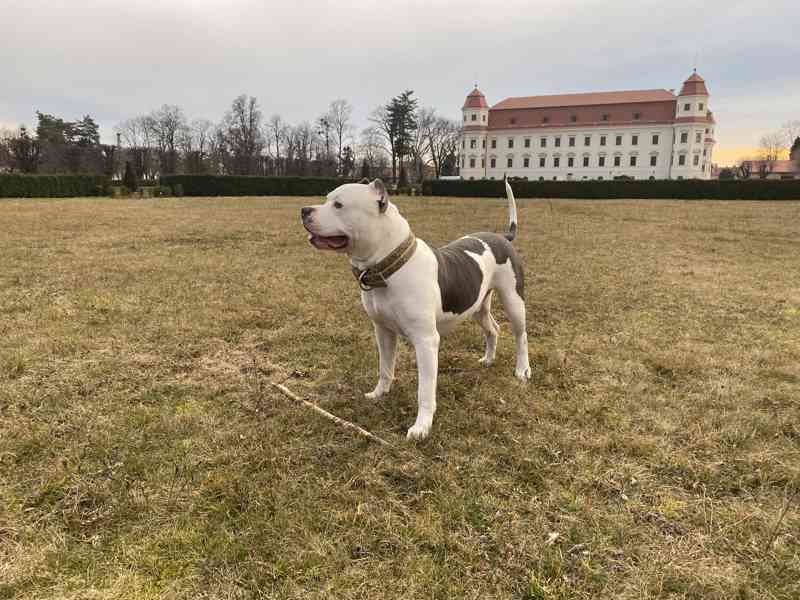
point(512, 213)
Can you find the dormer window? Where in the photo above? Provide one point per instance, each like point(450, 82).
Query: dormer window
point(573, 118)
point(605, 116)
point(700, 106)
point(483, 118)
point(637, 116)
point(474, 117)
point(513, 120)
point(545, 119)
point(687, 107)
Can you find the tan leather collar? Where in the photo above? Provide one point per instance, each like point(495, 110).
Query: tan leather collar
point(376, 275)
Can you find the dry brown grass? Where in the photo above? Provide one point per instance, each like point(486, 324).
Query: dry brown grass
point(655, 453)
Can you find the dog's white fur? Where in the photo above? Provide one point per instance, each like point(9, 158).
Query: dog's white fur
point(411, 304)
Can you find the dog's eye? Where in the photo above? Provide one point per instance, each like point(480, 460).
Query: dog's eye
point(337, 204)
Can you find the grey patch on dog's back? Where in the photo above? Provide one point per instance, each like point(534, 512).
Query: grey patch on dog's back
point(504, 251)
point(459, 276)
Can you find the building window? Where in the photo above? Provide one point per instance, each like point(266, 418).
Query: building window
point(472, 143)
point(682, 160)
point(474, 117)
point(513, 120)
point(634, 140)
point(463, 144)
point(653, 160)
point(602, 140)
point(687, 107)
point(601, 162)
point(637, 116)
point(704, 151)
point(510, 162)
point(558, 142)
point(484, 118)
point(706, 130)
point(526, 162)
point(619, 140)
point(700, 106)
point(572, 141)
point(510, 142)
point(655, 139)
point(542, 161)
point(697, 137)
point(696, 160)
point(605, 116)
point(587, 140)
point(617, 161)
point(684, 138)
point(571, 162)
point(483, 163)
point(465, 118)
point(471, 163)
point(585, 161)
point(633, 161)
point(574, 119)
point(483, 144)
point(492, 162)
point(462, 162)
point(543, 142)
point(545, 119)
point(527, 142)
point(556, 161)
point(494, 144)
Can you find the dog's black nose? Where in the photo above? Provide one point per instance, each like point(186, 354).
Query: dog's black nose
point(305, 212)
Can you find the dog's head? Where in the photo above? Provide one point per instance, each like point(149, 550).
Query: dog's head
point(349, 218)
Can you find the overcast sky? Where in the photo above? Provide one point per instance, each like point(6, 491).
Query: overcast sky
point(115, 59)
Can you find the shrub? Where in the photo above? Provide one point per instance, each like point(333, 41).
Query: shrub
point(236, 185)
point(689, 189)
point(52, 186)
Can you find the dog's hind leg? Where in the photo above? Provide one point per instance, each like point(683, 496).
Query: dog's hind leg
point(490, 329)
point(515, 310)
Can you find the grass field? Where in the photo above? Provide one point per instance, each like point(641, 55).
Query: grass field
point(143, 454)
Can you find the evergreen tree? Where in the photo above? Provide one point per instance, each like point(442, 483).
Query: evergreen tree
point(129, 179)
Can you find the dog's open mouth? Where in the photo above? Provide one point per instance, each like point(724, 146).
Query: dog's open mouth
point(334, 242)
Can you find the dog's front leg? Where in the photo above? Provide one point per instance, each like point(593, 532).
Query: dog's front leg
point(387, 349)
point(427, 350)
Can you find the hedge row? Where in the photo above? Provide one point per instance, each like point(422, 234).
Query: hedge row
point(689, 189)
point(52, 186)
point(235, 185)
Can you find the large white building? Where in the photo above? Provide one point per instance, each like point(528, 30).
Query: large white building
point(643, 134)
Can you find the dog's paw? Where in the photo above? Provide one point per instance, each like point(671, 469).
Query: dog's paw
point(380, 390)
point(419, 431)
point(523, 374)
point(486, 361)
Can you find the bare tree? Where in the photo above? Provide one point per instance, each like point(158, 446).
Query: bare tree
point(419, 148)
point(304, 140)
point(275, 133)
point(195, 142)
point(165, 126)
point(771, 146)
point(136, 134)
point(384, 125)
point(790, 131)
point(371, 152)
point(340, 115)
point(244, 136)
point(443, 135)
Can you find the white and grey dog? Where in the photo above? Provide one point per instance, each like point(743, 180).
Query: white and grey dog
point(419, 292)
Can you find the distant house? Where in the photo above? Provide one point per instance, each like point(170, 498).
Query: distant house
point(775, 169)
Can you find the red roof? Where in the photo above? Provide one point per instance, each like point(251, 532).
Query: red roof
point(694, 86)
point(475, 99)
point(585, 99)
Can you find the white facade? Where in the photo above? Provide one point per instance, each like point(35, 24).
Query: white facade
point(678, 147)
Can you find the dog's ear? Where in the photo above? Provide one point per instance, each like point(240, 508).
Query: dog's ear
point(380, 190)
point(364, 181)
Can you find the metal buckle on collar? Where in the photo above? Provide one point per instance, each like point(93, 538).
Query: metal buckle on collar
point(365, 287)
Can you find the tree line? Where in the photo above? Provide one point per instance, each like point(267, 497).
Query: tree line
point(402, 141)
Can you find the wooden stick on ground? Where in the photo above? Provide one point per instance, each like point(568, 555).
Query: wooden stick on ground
point(289, 394)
